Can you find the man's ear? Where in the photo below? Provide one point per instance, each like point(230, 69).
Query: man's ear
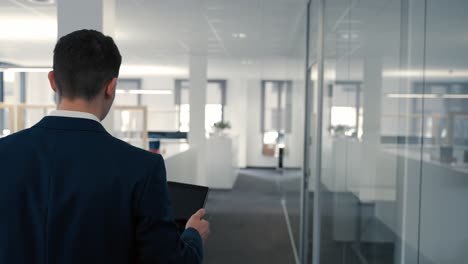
point(109, 91)
point(51, 77)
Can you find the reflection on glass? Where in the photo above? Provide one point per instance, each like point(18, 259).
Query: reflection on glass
point(394, 193)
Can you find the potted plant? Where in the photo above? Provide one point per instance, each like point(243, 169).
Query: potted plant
point(220, 127)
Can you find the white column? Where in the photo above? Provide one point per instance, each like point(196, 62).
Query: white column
point(196, 136)
point(198, 67)
point(198, 82)
point(99, 15)
point(95, 14)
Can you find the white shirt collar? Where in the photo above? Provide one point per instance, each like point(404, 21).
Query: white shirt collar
point(74, 114)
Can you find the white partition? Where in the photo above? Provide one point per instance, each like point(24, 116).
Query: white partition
point(220, 172)
point(182, 167)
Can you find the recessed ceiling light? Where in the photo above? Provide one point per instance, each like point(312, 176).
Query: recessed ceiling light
point(239, 35)
point(144, 92)
point(143, 70)
point(24, 28)
point(429, 73)
point(455, 96)
point(24, 69)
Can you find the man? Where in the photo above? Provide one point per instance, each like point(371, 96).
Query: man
point(72, 193)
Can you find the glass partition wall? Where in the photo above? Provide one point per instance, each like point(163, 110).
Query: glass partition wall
point(389, 156)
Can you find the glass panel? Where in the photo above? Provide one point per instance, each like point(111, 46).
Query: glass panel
point(444, 181)
point(292, 140)
point(372, 131)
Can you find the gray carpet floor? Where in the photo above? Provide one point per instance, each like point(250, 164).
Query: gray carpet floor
point(249, 227)
point(247, 223)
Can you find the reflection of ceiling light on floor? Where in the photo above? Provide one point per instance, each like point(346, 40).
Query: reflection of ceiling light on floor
point(247, 62)
point(239, 35)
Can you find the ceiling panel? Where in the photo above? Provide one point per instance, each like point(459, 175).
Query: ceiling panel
point(153, 32)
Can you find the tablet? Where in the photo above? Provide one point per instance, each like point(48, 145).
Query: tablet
point(186, 200)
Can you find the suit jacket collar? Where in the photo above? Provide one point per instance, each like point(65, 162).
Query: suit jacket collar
point(69, 123)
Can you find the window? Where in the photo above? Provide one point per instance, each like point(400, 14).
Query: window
point(126, 94)
point(214, 108)
point(345, 108)
point(276, 114)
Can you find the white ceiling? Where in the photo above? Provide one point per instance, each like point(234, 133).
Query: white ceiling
point(163, 32)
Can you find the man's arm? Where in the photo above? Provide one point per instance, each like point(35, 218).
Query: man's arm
point(157, 239)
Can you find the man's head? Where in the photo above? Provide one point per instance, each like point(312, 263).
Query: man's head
point(86, 67)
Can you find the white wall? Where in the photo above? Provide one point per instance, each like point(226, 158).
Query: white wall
point(242, 107)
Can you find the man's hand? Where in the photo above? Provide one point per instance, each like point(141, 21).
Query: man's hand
point(202, 226)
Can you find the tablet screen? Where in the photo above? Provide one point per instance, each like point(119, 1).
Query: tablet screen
point(186, 199)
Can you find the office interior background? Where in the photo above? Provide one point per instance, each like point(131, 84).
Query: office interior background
point(341, 129)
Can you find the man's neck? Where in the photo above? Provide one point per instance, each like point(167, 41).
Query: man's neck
point(79, 105)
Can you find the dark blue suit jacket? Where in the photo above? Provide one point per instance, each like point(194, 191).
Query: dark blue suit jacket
point(72, 193)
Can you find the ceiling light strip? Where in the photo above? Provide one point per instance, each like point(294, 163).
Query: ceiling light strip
point(145, 92)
